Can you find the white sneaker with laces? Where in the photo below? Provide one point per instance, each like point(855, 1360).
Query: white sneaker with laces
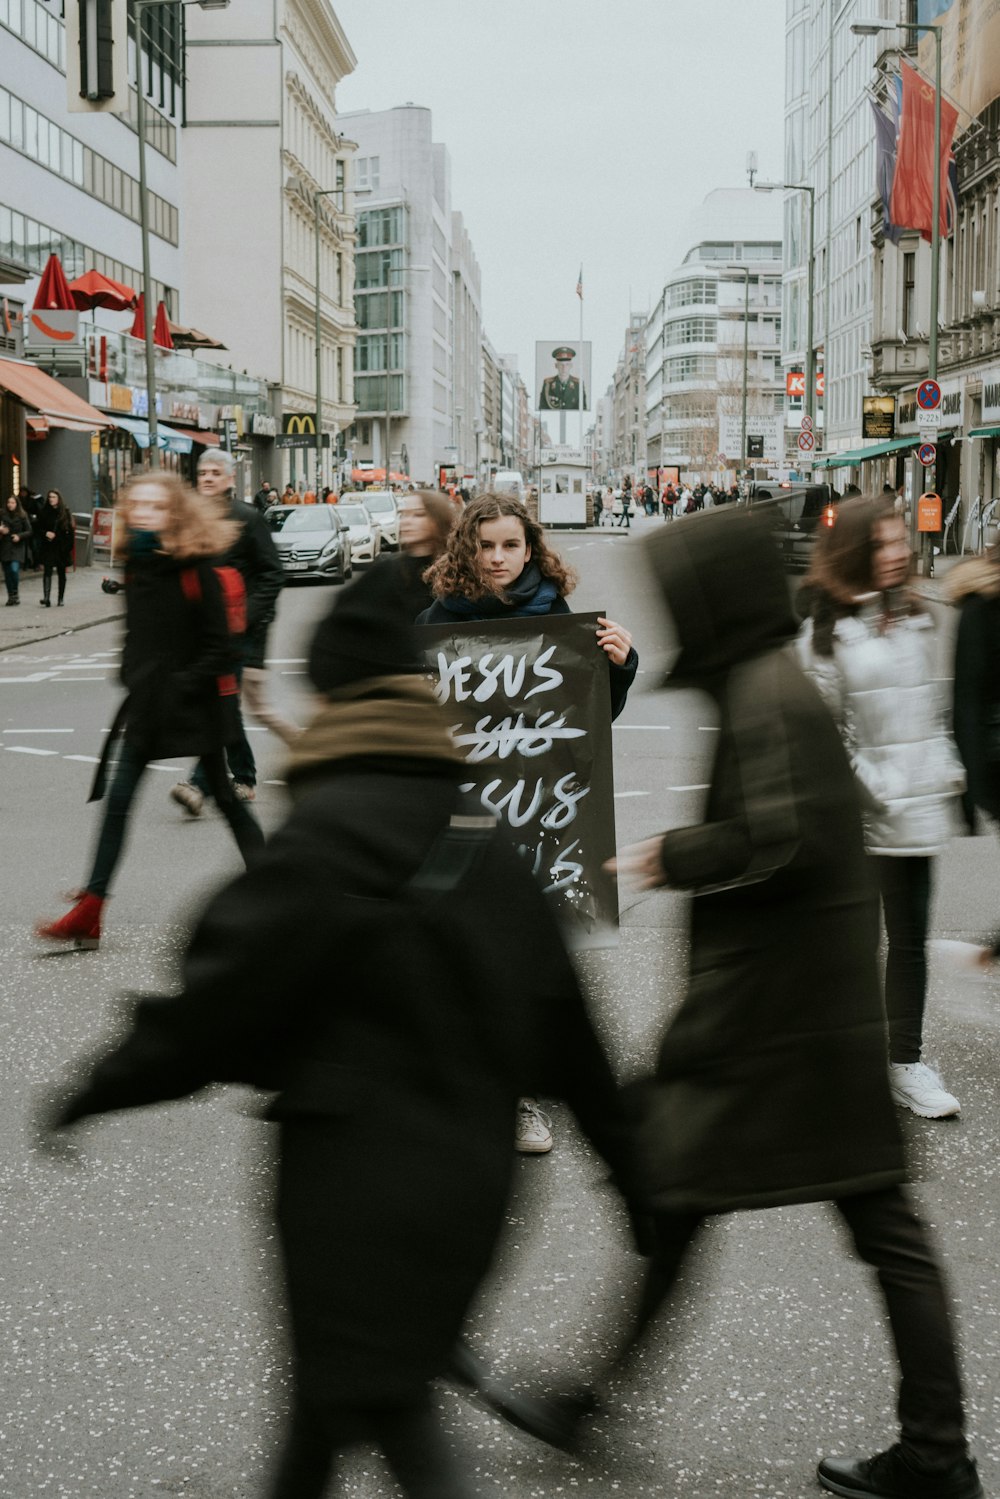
point(532, 1129)
point(917, 1087)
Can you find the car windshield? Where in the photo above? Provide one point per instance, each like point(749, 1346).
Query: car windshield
point(379, 502)
point(354, 515)
point(315, 518)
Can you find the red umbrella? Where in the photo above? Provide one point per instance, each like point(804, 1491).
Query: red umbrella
point(93, 289)
point(53, 291)
point(161, 328)
point(138, 328)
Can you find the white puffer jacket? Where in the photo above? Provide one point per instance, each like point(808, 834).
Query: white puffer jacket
point(880, 687)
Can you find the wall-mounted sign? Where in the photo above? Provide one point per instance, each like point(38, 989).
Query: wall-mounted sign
point(878, 418)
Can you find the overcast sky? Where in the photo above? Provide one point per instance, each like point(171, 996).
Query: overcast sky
point(578, 132)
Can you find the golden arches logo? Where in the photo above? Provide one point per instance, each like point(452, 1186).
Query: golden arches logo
point(303, 425)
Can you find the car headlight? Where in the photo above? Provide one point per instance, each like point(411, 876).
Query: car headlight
point(331, 546)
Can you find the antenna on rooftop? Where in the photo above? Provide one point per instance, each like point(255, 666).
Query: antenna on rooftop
point(751, 165)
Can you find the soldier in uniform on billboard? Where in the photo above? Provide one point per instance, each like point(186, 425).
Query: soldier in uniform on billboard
point(562, 391)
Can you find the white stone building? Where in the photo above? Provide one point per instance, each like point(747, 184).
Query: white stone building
point(262, 138)
point(727, 286)
point(415, 261)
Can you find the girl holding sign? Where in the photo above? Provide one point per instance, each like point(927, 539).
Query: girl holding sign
point(497, 565)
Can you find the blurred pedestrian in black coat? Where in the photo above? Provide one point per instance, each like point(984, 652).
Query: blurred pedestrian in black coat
point(771, 1086)
point(178, 668)
point(975, 587)
point(397, 1069)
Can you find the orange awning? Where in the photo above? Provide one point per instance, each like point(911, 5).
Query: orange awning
point(37, 389)
point(196, 434)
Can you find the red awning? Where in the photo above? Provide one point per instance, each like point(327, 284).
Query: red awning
point(205, 439)
point(52, 400)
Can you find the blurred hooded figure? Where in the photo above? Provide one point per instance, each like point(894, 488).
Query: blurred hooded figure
point(396, 1071)
point(771, 1085)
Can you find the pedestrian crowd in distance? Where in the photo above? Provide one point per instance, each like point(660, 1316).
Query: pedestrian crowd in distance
point(836, 781)
point(615, 507)
point(36, 532)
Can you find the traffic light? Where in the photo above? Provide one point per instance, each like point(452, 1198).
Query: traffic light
point(97, 55)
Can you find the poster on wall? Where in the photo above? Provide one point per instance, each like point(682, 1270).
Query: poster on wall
point(562, 375)
point(528, 702)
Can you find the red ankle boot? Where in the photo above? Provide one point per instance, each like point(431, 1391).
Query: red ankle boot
point(81, 926)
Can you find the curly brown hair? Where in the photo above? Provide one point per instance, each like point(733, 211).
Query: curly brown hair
point(842, 565)
point(459, 572)
point(199, 525)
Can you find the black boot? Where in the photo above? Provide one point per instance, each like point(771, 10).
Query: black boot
point(62, 592)
point(45, 602)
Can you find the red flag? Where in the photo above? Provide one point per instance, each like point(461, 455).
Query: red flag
point(911, 205)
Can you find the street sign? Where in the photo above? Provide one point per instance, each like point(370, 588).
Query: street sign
point(928, 395)
point(929, 419)
point(806, 442)
point(806, 423)
point(927, 453)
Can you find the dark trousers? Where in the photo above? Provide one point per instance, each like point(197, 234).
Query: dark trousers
point(12, 578)
point(409, 1436)
point(239, 757)
point(121, 792)
point(59, 568)
point(889, 1236)
point(905, 887)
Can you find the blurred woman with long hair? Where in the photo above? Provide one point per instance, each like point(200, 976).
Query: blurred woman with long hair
point(426, 520)
point(178, 667)
point(869, 646)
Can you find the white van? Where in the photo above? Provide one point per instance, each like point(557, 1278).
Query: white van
point(509, 481)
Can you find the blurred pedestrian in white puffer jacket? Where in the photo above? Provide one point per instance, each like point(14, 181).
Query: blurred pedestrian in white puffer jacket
point(869, 646)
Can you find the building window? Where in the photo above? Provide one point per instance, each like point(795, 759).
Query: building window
point(696, 330)
point(909, 291)
point(380, 226)
point(366, 173)
point(686, 293)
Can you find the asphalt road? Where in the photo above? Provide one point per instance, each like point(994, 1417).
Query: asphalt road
point(140, 1310)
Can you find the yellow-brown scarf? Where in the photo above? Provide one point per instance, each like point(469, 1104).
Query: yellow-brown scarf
point(397, 715)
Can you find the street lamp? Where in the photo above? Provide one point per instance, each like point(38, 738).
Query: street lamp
point(141, 7)
point(876, 27)
point(802, 187)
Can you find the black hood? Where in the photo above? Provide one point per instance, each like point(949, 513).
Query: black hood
point(721, 577)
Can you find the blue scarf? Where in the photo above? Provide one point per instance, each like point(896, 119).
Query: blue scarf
point(529, 594)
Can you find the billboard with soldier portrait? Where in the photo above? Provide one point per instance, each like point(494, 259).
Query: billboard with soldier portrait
point(562, 375)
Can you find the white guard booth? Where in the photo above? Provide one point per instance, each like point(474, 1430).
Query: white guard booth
point(562, 490)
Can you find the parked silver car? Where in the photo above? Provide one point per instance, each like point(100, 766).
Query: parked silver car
point(383, 508)
point(313, 541)
point(366, 538)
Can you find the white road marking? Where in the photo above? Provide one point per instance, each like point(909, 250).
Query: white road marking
point(36, 676)
point(27, 749)
point(661, 726)
point(87, 759)
point(80, 679)
point(630, 793)
point(292, 674)
point(275, 783)
point(689, 788)
point(285, 661)
point(708, 728)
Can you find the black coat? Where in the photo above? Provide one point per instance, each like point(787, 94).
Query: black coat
point(975, 585)
point(444, 612)
point(18, 524)
point(407, 574)
point(255, 557)
point(397, 1046)
point(178, 660)
point(59, 551)
point(772, 1082)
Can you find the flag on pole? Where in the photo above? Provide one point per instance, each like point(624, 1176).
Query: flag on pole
point(885, 168)
point(911, 202)
point(579, 284)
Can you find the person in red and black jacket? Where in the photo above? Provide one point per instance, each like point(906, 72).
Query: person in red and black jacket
point(179, 670)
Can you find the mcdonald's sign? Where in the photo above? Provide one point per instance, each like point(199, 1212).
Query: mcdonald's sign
point(298, 430)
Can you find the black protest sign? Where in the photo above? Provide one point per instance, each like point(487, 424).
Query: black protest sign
point(529, 702)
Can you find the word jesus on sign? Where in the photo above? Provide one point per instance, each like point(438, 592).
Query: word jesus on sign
point(530, 705)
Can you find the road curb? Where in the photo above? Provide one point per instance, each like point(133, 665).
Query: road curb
point(86, 624)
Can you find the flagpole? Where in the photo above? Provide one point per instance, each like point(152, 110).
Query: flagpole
point(932, 348)
point(582, 361)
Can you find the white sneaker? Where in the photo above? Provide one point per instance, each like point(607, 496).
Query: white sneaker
point(917, 1087)
point(188, 797)
point(532, 1129)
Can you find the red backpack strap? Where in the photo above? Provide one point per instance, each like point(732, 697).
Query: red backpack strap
point(191, 585)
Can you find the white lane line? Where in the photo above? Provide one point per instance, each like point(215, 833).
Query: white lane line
point(86, 759)
point(689, 788)
point(64, 680)
point(285, 661)
point(39, 731)
point(175, 768)
point(662, 727)
point(708, 728)
point(619, 794)
point(292, 674)
point(27, 749)
point(36, 676)
point(275, 783)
